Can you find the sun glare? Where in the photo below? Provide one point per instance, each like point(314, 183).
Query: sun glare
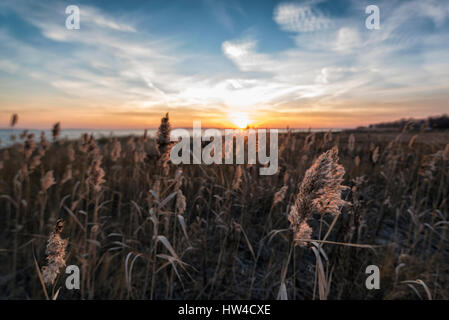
point(240, 120)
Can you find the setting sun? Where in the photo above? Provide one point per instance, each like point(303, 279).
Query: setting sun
point(240, 120)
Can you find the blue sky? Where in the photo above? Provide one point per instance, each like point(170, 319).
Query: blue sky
point(275, 63)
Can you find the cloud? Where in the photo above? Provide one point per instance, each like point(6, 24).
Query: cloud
point(223, 10)
point(91, 15)
point(238, 50)
point(438, 11)
point(103, 60)
point(393, 64)
point(115, 67)
point(295, 18)
point(8, 66)
point(348, 39)
point(243, 54)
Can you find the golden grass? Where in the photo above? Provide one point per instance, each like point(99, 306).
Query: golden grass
point(139, 227)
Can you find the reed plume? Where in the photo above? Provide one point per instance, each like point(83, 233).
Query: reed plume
point(116, 150)
point(180, 202)
point(56, 130)
point(55, 252)
point(14, 119)
point(280, 195)
point(96, 173)
point(412, 141)
point(67, 174)
point(375, 155)
point(429, 165)
point(30, 145)
point(85, 143)
point(47, 180)
point(327, 137)
point(44, 142)
point(131, 145)
point(163, 141)
point(309, 141)
point(24, 134)
point(319, 191)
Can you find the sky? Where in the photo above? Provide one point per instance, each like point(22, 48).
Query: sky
point(302, 64)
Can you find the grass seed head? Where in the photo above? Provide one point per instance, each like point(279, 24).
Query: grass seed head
point(55, 252)
point(47, 180)
point(319, 191)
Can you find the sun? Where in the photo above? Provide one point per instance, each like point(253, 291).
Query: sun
point(240, 119)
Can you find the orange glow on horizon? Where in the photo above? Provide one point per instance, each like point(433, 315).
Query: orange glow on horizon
point(41, 117)
point(240, 120)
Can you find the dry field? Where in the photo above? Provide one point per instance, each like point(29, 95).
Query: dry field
point(139, 227)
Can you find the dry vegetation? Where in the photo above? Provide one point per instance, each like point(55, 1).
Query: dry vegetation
point(141, 228)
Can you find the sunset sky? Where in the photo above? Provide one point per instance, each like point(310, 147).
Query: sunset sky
point(269, 63)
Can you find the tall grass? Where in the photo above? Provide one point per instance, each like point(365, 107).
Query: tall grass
point(139, 227)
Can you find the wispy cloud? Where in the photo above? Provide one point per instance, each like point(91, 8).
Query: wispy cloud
point(348, 62)
point(91, 15)
point(223, 11)
point(8, 66)
point(333, 67)
point(348, 39)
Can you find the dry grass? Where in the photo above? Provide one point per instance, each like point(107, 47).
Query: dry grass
point(139, 227)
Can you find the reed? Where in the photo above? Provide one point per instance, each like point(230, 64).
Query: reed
point(139, 227)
